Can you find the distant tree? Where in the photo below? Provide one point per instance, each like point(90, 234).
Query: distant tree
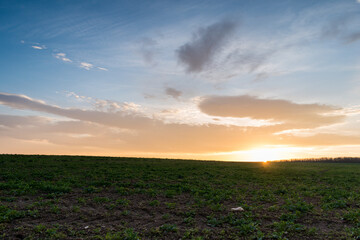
point(325, 160)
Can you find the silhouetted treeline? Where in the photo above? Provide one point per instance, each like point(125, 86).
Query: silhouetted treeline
point(326, 160)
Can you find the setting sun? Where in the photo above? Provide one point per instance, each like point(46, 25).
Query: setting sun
point(266, 154)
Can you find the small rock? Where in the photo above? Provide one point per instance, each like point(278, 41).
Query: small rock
point(86, 227)
point(237, 209)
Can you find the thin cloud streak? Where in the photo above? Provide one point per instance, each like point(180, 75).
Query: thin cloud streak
point(102, 68)
point(38, 47)
point(63, 57)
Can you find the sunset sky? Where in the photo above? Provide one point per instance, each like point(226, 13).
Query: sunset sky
point(222, 80)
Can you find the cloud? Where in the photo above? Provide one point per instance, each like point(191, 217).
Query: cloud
point(62, 56)
point(74, 137)
point(342, 28)
point(38, 47)
point(115, 119)
point(127, 115)
point(199, 53)
point(172, 92)
point(106, 105)
point(292, 114)
point(334, 28)
point(102, 69)
point(86, 65)
point(148, 50)
point(353, 37)
point(114, 106)
point(216, 54)
point(149, 96)
point(120, 133)
point(78, 97)
point(247, 60)
point(156, 137)
point(142, 133)
point(17, 121)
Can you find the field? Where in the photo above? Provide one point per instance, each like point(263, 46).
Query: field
point(63, 197)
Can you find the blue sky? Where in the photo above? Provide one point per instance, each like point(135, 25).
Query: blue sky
point(162, 60)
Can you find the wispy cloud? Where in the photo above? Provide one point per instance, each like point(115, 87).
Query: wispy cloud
point(353, 37)
point(148, 50)
point(37, 47)
point(78, 97)
point(102, 68)
point(115, 106)
point(86, 66)
point(106, 105)
point(172, 92)
point(344, 28)
point(62, 56)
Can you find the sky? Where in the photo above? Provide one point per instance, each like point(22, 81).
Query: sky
point(242, 80)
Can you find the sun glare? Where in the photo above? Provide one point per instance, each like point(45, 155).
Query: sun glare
point(265, 154)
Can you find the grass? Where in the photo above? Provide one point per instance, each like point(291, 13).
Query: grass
point(64, 197)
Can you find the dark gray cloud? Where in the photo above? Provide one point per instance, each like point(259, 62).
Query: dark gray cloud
point(172, 92)
point(298, 115)
point(197, 54)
